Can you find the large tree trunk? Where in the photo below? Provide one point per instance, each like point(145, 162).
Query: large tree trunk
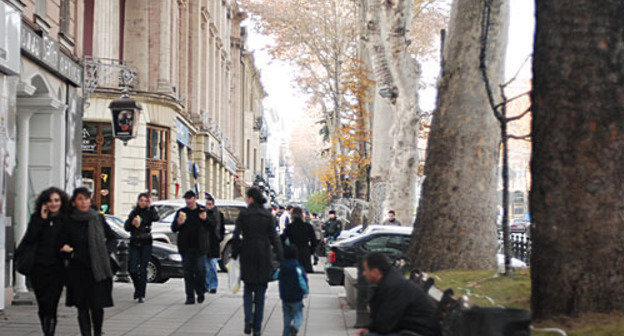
point(577, 196)
point(456, 220)
point(397, 75)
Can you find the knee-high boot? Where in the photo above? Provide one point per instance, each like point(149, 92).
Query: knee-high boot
point(84, 321)
point(49, 325)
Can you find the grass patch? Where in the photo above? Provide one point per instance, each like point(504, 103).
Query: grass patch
point(487, 289)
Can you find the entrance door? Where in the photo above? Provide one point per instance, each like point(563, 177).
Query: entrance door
point(98, 164)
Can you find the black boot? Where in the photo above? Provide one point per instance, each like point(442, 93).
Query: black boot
point(42, 322)
point(49, 325)
point(84, 321)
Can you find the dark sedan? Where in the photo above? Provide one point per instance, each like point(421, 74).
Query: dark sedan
point(392, 241)
point(165, 262)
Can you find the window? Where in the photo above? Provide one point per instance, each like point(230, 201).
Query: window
point(64, 16)
point(157, 144)
point(97, 138)
point(247, 154)
point(87, 42)
point(388, 244)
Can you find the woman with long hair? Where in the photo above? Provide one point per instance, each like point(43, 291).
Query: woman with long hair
point(89, 275)
point(300, 234)
point(254, 235)
point(44, 235)
point(139, 224)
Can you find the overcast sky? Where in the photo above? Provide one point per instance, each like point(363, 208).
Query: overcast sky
point(284, 97)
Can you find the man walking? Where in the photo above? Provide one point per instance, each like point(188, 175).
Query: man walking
point(285, 219)
point(318, 233)
point(333, 227)
point(391, 220)
point(396, 304)
point(192, 225)
point(215, 237)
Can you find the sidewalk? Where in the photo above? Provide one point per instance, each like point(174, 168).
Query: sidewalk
point(164, 313)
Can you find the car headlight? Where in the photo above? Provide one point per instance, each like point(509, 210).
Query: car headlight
point(175, 257)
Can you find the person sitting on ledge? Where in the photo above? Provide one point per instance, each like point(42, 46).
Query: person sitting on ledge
point(397, 305)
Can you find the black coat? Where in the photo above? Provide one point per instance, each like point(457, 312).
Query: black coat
point(82, 289)
point(192, 234)
point(253, 236)
point(301, 235)
point(216, 232)
point(397, 304)
point(143, 234)
point(333, 228)
point(46, 234)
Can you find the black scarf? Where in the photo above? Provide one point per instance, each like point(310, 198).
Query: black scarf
point(100, 262)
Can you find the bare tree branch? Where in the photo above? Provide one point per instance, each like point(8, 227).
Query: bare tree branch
point(509, 100)
point(513, 79)
point(519, 137)
point(519, 116)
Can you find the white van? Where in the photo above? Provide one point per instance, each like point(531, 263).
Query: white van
point(167, 209)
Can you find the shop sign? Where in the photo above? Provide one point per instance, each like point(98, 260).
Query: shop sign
point(10, 26)
point(89, 143)
point(47, 51)
point(182, 134)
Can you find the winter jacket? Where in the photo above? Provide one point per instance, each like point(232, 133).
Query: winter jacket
point(301, 235)
point(389, 222)
point(318, 228)
point(333, 228)
point(143, 234)
point(293, 281)
point(193, 233)
point(216, 232)
point(254, 234)
point(397, 304)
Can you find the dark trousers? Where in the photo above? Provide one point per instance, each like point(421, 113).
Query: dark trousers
point(88, 317)
point(139, 257)
point(253, 302)
point(194, 273)
point(47, 282)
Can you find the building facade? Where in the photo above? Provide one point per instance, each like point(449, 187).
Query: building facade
point(200, 95)
point(40, 114)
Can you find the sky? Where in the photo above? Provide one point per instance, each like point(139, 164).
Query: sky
point(284, 97)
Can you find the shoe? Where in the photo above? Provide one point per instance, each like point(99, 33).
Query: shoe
point(248, 328)
point(189, 302)
point(136, 295)
point(256, 333)
point(201, 298)
point(293, 331)
point(141, 300)
point(213, 291)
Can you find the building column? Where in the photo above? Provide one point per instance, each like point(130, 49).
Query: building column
point(21, 186)
point(106, 29)
point(164, 66)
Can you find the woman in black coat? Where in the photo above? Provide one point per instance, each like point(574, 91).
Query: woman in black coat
point(301, 235)
point(47, 275)
point(139, 224)
point(253, 236)
point(89, 275)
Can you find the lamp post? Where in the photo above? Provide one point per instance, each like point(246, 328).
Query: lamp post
point(126, 114)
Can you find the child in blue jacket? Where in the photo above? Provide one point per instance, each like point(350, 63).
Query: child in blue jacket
point(293, 286)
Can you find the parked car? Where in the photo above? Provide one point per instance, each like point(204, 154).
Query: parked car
point(359, 230)
point(519, 226)
point(165, 262)
point(230, 209)
point(391, 240)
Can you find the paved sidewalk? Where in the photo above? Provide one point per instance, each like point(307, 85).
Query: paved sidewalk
point(164, 313)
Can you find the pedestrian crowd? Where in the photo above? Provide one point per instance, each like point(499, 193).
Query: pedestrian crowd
point(69, 244)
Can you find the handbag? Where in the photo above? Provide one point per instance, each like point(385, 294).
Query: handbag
point(233, 268)
point(25, 257)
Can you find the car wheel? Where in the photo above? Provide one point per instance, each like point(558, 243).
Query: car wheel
point(225, 257)
point(153, 271)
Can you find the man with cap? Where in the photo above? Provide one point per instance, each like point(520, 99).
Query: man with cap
point(192, 225)
point(333, 227)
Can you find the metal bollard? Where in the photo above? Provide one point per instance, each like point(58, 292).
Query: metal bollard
point(124, 255)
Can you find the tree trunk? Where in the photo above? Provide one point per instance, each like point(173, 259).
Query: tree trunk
point(456, 220)
point(397, 75)
point(577, 198)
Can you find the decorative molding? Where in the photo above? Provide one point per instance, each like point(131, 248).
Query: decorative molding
point(205, 14)
point(182, 3)
point(42, 23)
point(25, 89)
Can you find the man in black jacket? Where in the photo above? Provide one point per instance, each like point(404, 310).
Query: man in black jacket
point(396, 304)
point(333, 227)
point(215, 237)
point(192, 225)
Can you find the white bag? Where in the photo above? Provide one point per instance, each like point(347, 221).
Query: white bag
point(233, 268)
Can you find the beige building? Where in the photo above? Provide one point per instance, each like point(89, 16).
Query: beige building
point(196, 127)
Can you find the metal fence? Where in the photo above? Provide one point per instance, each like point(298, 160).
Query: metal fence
point(520, 246)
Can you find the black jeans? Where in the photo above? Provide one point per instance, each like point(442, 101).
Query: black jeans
point(139, 257)
point(48, 282)
point(194, 273)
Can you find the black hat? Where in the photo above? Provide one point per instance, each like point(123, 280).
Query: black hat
point(208, 196)
point(332, 212)
point(189, 194)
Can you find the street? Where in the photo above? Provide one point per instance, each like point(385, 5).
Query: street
point(164, 313)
